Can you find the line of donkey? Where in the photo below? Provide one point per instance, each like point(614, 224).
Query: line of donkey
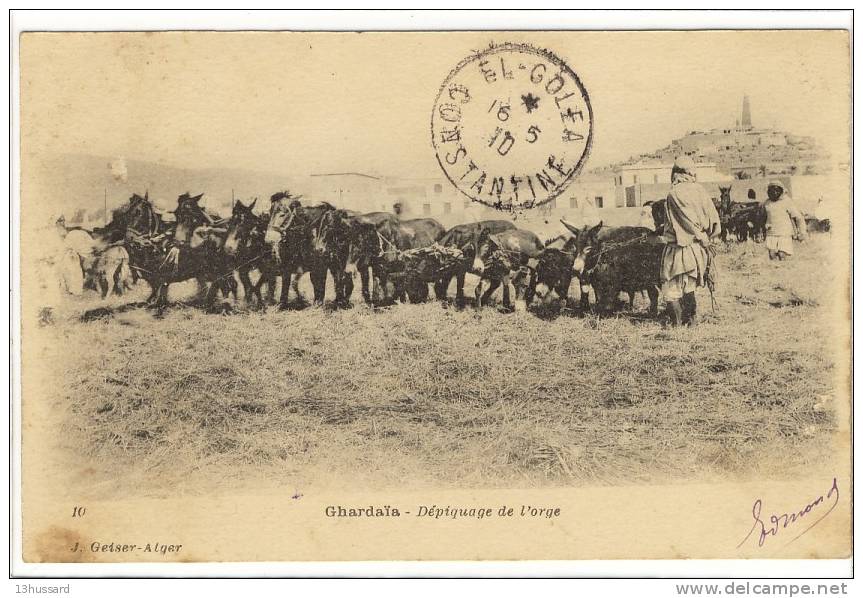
point(395, 260)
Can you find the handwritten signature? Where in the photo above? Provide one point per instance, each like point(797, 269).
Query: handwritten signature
point(776, 523)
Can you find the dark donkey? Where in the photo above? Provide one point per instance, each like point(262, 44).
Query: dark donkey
point(364, 255)
point(192, 219)
point(137, 217)
point(195, 251)
point(466, 236)
point(245, 245)
point(504, 257)
point(398, 236)
point(612, 260)
point(302, 239)
point(554, 270)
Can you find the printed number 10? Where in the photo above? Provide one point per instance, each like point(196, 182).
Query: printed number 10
point(78, 511)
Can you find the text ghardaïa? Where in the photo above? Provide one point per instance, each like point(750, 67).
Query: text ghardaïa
point(443, 511)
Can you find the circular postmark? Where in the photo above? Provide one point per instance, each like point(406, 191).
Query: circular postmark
point(512, 126)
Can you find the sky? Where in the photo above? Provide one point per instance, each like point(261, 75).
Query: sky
point(301, 103)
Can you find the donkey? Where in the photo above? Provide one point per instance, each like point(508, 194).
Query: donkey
point(504, 257)
point(245, 245)
point(162, 262)
point(615, 259)
point(194, 251)
point(294, 235)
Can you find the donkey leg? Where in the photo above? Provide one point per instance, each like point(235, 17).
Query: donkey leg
point(529, 292)
point(459, 287)
point(288, 281)
point(213, 292)
point(478, 294)
point(364, 281)
point(120, 278)
point(507, 303)
point(491, 289)
point(255, 297)
point(441, 287)
point(295, 284)
point(343, 282)
point(653, 293)
point(584, 299)
point(319, 284)
point(103, 284)
point(248, 287)
point(338, 284)
point(269, 278)
point(286, 286)
point(113, 287)
point(202, 290)
point(154, 292)
point(162, 301)
point(378, 285)
point(230, 287)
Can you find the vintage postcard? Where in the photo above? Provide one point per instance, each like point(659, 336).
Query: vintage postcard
point(435, 295)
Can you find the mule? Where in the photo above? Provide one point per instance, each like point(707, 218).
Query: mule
point(364, 256)
point(195, 250)
point(505, 257)
point(614, 260)
point(296, 240)
point(466, 236)
point(162, 262)
point(554, 270)
point(400, 236)
point(245, 245)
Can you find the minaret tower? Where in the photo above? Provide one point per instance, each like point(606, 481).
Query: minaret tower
point(746, 117)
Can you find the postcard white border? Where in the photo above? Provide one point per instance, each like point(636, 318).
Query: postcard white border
point(369, 20)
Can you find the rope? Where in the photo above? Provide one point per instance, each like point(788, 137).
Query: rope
point(285, 226)
point(140, 269)
point(398, 251)
point(232, 270)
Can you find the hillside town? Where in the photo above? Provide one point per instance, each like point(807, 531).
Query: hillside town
point(743, 158)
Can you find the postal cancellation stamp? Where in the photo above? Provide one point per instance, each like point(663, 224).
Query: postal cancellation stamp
point(512, 126)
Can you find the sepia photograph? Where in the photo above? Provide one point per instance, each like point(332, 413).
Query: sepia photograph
point(434, 295)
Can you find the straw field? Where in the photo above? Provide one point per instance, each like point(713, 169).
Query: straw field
point(423, 395)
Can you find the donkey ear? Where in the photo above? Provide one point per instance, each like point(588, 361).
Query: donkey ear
point(570, 227)
point(594, 232)
point(252, 205)
point(147, 195)
point(197, 197)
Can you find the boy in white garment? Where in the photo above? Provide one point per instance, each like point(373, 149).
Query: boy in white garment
point(784, 222)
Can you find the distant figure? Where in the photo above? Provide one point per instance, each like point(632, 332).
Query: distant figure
point(691, 222)
point(784, 222)
point(73, 254)
point(398, 210)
